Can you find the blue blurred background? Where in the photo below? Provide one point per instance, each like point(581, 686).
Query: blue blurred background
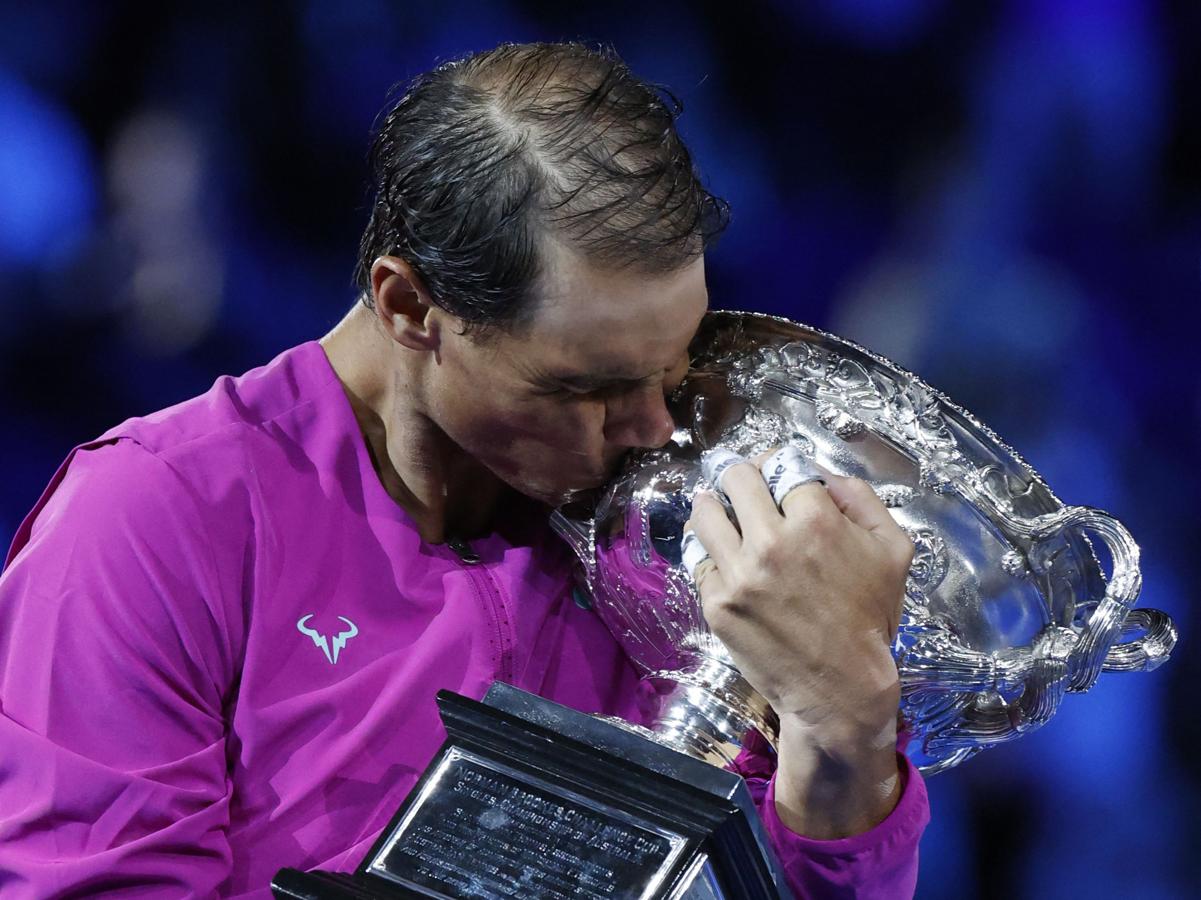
point(1004, 197)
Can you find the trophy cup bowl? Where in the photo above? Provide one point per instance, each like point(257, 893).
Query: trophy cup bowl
point(1007, 606)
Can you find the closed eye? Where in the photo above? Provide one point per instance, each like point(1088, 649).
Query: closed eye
point(562, 390)
point(594, 385)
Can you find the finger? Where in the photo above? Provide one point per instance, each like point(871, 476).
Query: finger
point(787, 469)
point(741, 481)
point(715, 463)
point(859, 503)
point(692, 552)
point(708, 580)
point(714, 529)
point(807, 500)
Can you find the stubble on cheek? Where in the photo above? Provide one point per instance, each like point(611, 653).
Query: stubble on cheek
point(538, 454)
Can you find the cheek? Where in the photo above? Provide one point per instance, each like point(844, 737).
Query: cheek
point(533, 433)
point(573, 424)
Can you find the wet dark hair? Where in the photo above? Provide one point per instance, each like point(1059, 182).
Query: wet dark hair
point(486, 157)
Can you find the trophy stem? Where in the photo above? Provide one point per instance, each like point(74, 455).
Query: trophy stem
point(707, 710)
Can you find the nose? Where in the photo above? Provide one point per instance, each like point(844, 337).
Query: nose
point(639, 418)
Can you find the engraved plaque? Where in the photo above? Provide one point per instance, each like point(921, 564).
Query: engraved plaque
point(481, 828)
point(528, 798)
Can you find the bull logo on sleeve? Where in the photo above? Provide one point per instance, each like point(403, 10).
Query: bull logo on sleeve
point(323, 642)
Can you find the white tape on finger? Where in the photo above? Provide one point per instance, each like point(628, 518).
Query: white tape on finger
point(715, 463)
point(692, 553)
point(786, 470)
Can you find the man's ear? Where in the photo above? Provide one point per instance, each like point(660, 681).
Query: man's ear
point(403, 305)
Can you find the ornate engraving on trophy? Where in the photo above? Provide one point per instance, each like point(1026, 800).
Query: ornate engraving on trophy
point(845, 394)
point(482, 829)
point(1014, 563)
point(929, 566)
point(894, 496)
point(838, 421)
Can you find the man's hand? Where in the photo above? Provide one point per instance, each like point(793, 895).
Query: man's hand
point(808, 599)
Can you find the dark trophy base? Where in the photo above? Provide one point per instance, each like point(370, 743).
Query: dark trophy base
point(531, 799)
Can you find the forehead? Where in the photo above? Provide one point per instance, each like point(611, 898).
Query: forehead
point(615, 323)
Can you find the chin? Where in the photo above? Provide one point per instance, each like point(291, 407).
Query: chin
point(561, 494)
point(587, 497)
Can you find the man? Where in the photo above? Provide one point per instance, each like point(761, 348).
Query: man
point(223, 625)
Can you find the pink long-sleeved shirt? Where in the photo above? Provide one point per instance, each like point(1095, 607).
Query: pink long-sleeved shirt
point(171, 721)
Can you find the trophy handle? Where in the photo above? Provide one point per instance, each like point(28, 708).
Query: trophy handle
point(1145, 653)
point(580, 535)
point(1096, 646)
point(969, 699)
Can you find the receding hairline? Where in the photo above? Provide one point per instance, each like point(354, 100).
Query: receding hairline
point(585, 154)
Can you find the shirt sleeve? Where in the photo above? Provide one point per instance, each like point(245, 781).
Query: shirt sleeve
point(880, 864)
point(113, 675)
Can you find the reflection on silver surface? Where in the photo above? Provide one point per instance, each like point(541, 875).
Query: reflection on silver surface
point(699, 882)
point(1006, 609)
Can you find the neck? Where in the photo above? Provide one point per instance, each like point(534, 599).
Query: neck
point(443, 489)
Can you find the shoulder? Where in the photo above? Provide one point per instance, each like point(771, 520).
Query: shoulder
point(121, 517)
point(297, 377)
point(115, 496)
point(122, 535)
point(116, 485)
point(119, 557)
point(217, 455)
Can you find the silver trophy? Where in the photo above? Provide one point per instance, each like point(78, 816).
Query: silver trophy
point(1007, 606)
